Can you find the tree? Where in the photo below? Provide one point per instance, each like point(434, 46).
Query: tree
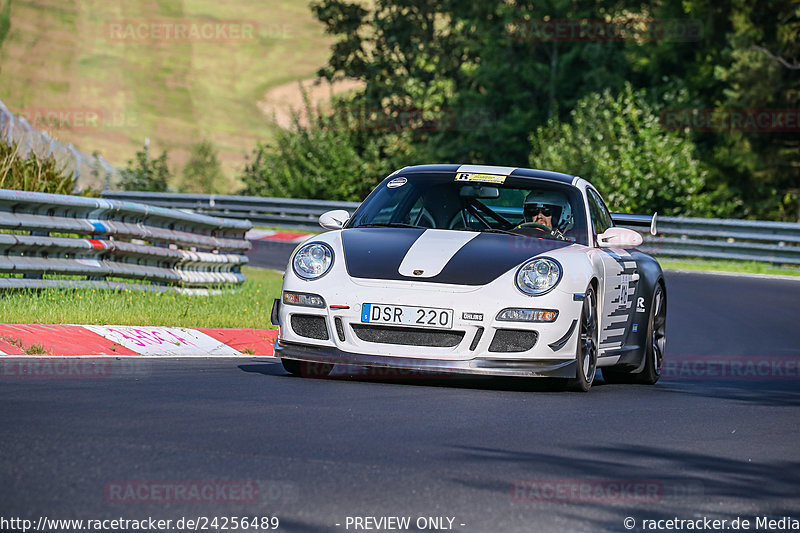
point(746, 58)
point(202, 173)
point(762, 72)
point(618, 144)
point(332, 157)
point(144, 173)
point(473, 65)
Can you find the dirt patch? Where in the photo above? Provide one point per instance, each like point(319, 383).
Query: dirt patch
point(281, 100)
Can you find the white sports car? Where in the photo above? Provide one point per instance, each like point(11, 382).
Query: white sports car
point(479, 270)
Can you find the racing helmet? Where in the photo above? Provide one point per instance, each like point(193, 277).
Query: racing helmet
point(553, 202)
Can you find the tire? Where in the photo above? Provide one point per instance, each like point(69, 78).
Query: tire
point(656, 339)
point(654, 350)
point(306, 369)
point(586, 354)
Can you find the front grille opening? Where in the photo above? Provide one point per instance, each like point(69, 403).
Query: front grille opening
point(513, 340)
point(310, 326)
point(405, 336)
point(339, 328)
point(476, 339)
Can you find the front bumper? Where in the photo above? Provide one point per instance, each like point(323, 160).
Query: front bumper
point(478, 366)
point(329, 327)
point(475, 336)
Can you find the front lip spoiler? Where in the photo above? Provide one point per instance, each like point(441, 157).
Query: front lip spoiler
point(478, 366)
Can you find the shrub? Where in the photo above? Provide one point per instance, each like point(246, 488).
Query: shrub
point(144, 173)
point(618, 144)
point(202, 173)
point(331, 157)
point(32, 173)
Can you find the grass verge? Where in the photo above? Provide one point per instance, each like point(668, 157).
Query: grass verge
point(248, 306)
point(736, 267)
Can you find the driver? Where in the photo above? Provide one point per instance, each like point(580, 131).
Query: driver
point(543, 208)
point(539, 213)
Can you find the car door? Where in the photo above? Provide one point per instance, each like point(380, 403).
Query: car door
point(620, 277)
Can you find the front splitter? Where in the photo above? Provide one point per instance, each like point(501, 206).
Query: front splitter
point(483, 366)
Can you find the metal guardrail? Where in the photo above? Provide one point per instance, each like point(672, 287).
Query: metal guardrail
point(739, 240)
point(704, 238)
point(278, 212)
point(50, 238)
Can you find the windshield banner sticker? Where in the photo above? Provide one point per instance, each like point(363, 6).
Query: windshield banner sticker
point(487, 178)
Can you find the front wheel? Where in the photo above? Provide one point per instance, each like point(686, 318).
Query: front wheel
point(586, 357)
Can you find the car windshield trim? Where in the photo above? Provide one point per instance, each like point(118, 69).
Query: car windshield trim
point(434, 201)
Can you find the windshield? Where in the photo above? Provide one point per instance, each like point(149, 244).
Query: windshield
point(525, 206)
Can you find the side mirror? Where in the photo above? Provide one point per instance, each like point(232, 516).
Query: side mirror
point(334, 219)
point(619, 238)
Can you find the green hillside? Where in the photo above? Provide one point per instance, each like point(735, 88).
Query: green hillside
point(71, 56)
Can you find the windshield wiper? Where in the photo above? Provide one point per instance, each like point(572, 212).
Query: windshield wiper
point(549, 236)
point(495, 230)
point(390, 225)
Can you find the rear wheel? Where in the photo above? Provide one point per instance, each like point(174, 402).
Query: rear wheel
point(656, 342)
point(586, 357)
point(306, 369)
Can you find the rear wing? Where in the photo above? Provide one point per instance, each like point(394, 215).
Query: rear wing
point(624, 219)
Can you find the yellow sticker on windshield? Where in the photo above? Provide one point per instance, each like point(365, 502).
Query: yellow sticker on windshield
point(486, 178)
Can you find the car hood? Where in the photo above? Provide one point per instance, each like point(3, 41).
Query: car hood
point(438, 256)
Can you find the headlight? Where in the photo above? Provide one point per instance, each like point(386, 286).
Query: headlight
point(312, 260)
point(538, 276)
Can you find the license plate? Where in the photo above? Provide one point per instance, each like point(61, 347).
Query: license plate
point(407, 315)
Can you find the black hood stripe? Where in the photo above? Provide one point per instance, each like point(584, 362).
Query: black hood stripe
point(376, 253)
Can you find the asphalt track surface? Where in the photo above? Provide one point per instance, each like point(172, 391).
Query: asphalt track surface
point(486, 452)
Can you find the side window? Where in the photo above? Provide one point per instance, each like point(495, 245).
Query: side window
point(601, 219)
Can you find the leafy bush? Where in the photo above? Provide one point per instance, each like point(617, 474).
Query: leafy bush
point(618, 144)
point(202, 173)
point(332, 157)
point(146, 174)
point(32, 173)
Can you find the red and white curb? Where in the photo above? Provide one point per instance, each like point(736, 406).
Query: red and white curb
point(276, 236)
point(74, 340)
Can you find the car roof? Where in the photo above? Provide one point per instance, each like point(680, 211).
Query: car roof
point(517, 172)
